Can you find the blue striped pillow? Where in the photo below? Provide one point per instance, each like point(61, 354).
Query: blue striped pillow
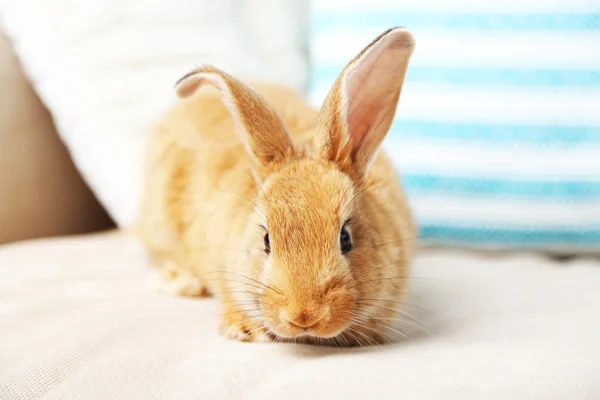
point(497, 135)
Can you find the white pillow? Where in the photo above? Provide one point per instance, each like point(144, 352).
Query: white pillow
point(106, 69)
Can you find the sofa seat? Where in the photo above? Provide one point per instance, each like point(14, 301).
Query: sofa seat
point(79, 320)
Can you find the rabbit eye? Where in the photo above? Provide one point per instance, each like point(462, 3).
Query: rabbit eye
point(267, 244)
point(345, 240)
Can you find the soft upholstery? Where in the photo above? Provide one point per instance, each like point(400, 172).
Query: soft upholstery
point(79, 321)
point(41, 192)
point(497, 134)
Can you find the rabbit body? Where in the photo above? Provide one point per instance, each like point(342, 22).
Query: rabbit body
point(252, 221)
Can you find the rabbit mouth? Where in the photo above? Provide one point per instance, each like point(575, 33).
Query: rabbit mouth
point(321, 316)
point(320, 329)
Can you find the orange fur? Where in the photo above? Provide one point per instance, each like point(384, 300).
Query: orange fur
point(298, 174)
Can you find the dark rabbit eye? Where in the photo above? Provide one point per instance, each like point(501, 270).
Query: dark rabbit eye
point(345, 240)
point(267, 244)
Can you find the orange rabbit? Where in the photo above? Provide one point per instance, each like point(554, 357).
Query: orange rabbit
point(289, 215)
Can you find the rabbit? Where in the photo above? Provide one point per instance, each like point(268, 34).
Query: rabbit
point(290, 215)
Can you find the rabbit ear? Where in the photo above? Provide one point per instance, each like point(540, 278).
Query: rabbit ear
point(361, 105)
point(262, 130)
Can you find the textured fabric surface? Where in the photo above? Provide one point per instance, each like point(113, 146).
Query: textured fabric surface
point(498, 131)
point(41, 193)
point(106, 69)
point(78, 321)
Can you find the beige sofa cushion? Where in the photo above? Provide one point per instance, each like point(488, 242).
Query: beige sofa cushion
point(41, 193)
point(78, 321)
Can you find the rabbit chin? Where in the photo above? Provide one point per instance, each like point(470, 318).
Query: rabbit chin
point(293, 332)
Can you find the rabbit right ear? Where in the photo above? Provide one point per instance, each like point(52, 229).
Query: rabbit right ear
point(360, 107)
point(262, 130)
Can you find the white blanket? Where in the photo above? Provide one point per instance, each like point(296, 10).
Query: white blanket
point(79, 321)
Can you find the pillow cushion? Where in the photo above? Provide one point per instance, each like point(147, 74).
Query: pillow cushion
point(106, 69)
point(497, 134)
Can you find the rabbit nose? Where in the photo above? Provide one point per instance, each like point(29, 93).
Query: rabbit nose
point(305, 319)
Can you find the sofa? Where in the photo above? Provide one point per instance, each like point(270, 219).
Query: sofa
point(80, 321)
point(79, 318)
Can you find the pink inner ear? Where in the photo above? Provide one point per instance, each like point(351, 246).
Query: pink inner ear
point(371, 89)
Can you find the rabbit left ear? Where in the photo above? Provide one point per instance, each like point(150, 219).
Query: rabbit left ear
point(260, 127)
point(360, 107)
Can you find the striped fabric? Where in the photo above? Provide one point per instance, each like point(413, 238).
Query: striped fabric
point(497, 135)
